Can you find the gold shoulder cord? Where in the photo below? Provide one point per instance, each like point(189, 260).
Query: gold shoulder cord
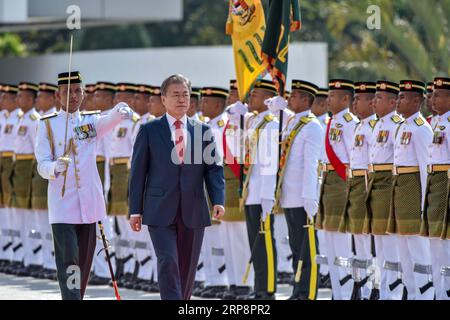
point(50, 137)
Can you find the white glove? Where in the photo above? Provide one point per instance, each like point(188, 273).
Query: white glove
point(124, 110)
point(236, 110)
point(62, 163)
point(276, 104)
point(267, 206)
point(311, 206)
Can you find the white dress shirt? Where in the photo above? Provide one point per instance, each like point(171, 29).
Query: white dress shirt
point(360, 150)
point(343, 141)
point(381, 148)
point(8, 141)
point(25, 132)
point(171, 120)
point(415, 151)
point(439, 149)
point(300, 178)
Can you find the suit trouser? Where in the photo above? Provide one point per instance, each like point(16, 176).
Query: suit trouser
point(74, 252)
point(237, 252)
point(339, 246)
point(440, 257)
point(363, 252)
point(322, 251)
point(177, 249)
point(303, 245)
point(262, 245)
point(214, 257)
point(284, 253)
point(386, 247)
point(415, 250)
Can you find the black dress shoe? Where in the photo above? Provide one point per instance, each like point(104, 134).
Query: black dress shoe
point(235, 292)
point(212, 291)
point(261, 295)
point(297, 297)
point(151, 287)
point(99, 281)
point(325, 281)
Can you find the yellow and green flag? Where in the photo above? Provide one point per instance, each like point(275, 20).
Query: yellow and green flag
point(246, 24)
point(283, 18)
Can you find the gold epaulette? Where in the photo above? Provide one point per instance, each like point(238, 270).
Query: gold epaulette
point(307, 119)
point(448, 119)
point(220, 123)
point(50, 115)
point(34, 116)
point(269, 117)
point(88, 113)
point(348, 117)
point(372, 123)
point(136, 117)
point(419, 121)
point(396, 118)
point(20, 114)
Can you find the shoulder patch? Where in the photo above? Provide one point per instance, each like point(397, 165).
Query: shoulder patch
point(372, 123)
point(135, 117)
point(419, 121)
point(88, 113)
point(48, 116)
point(348, 117)
point(269, 117)
point(396, 118)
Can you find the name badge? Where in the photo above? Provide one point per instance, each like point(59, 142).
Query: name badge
point(359, 140)
point(406, 138)
point(383, 136)
point(85, 131)
point(438, 137)
point(22, 130)
point(122, 132)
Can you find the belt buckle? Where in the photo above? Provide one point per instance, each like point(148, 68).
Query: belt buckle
point(430, 168)
point(349, 173)
point(371, 168)
point(394, 171)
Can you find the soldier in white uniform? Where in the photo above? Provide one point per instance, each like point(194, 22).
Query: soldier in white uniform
point(435, 222)
point(75, 197)
point(11, 228)
point(213, 254)
point(258, 193)
point(24, 217)
point(45, 104)
point(103, 100)
point(432, 118)
point(194, 111)
point(338, 144)
point(355, 211)
point(296, 191)
point(320, 110)
point(410, 175)
point(120, 150)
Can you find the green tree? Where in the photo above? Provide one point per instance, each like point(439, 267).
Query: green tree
point(12, 45)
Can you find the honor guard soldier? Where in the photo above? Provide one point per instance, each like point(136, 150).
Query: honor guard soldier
point(435, 222)
point(296, 191)
point(120, 150)
point(75, 197)
point(11, 229)
point(216, 283)
point(13, 117)
point(320, 110)
point(156, 107)
point(195, 108)
point(338, 144)
point(355, 211)
point(88, 101)
point(381, 158)
point(233, 93)
point(24, 217)
point(45, 103)
point(258, 191)
point(409, 182)
point(103, 100)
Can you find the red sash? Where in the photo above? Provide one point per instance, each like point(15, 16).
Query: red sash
point(334, 160)
point(233, 165)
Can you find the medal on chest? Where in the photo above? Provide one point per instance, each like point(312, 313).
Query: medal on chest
point(383, 136)
point(85, 131)
point(406, 138)
point(438, 137)
point(231, 130)
point(22, 131)
point(335, 134)
point(8, 129)
point(122, 132)
point(359, 140)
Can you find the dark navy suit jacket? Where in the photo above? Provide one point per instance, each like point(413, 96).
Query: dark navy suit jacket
point(159, 187)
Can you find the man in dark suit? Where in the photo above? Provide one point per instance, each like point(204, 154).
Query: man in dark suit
point(173, 160)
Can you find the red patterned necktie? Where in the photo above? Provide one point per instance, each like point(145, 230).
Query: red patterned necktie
point(179, 140)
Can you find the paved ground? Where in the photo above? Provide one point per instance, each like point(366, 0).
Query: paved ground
point(25, 288)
